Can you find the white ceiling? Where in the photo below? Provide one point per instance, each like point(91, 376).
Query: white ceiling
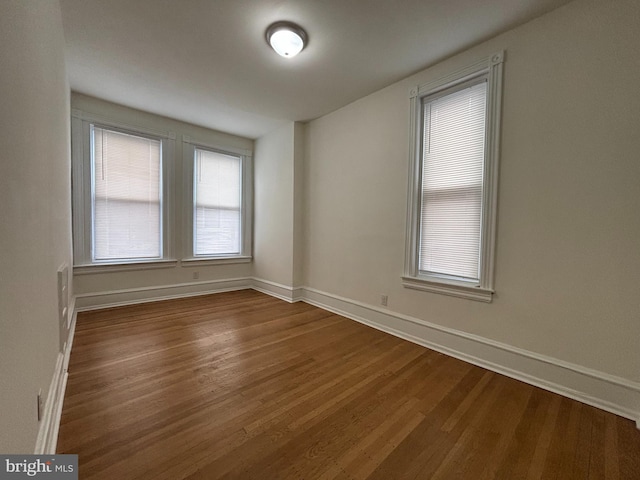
point(207, 61)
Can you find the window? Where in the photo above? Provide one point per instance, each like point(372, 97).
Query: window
point(217, 201)
point(217, 206)
point(453, 182)
point(126, 197)
point(120, 205)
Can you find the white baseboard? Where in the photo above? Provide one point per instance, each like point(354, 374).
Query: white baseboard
point(130, 296)
point(48, 420)
point(607, 392)
point(50, 423)
point(283, 292)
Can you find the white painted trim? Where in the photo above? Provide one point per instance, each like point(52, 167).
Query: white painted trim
point(217, 146)
point(82, 190)
point(607, 392)
point(107, 122)
point(204, 261)
point(448, 287)
point(123, 267)
point(278, 290)
point(297, 294)
point(47, 423)
point(47, 439)
point(491, 69)
point(53, 443)
point(131, 296)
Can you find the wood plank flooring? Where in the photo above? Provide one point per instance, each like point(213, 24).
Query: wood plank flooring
point(240, 385)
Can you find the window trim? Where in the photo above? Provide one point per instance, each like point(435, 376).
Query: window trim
point(82, 193)
point(189, 145)
point(492, 67)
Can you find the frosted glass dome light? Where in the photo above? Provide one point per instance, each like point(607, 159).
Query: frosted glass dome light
point(287, 39)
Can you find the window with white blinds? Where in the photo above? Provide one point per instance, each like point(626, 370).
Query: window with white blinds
point(124, 191)
point(126, 196)
point(217, 212)
point(452, 202)
point(452, 182)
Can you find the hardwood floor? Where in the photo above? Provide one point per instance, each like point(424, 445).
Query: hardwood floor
point(242, 385)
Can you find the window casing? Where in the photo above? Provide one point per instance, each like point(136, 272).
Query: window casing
point(121, 195)
point(217, 203)
point(451, 214)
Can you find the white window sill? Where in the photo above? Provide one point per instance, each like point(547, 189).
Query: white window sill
point(123, 266)
point(198, 261)
point(454, 289)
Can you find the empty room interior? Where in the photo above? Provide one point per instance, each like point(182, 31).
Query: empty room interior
point(321, 239)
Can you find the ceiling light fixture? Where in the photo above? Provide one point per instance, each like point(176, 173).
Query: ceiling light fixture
point(286, 38)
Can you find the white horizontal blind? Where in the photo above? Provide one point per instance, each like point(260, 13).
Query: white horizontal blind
point(452, 182)
point(126, 201)
point(217, 195)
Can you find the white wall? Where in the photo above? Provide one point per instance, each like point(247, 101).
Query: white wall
point(273, 206)
point(568, 262)
point(35, 199)
point(278, 208)
point(142, 283)
point(298, 203)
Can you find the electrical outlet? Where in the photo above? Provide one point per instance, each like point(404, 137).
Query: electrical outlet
point(383, 300)
point(40, 405)
point(196, 275)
